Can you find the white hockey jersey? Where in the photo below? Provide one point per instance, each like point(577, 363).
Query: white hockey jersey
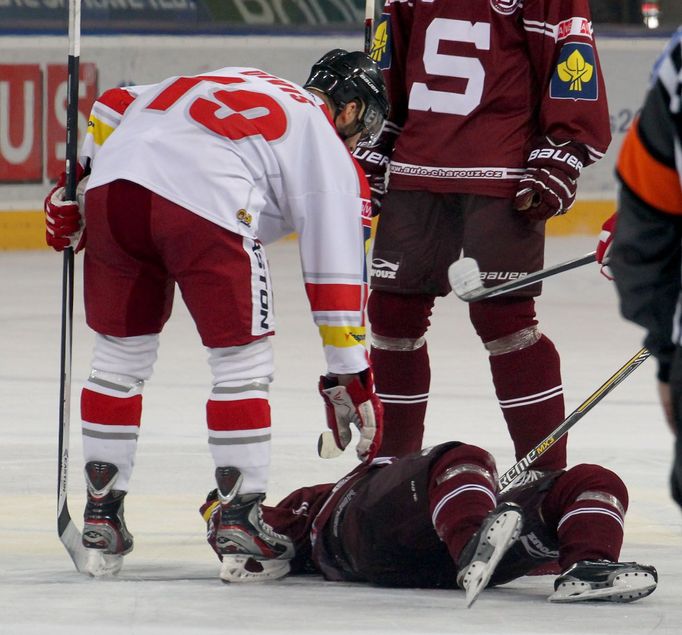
point(258, 155)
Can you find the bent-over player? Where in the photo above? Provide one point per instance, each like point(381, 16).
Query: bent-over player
point(434, 519)
point(188, 179)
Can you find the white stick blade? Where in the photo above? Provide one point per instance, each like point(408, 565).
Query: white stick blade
point(326, 446)
point(71, 538)
point(465, 277)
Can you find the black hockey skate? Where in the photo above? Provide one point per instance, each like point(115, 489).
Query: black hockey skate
point(477, 562)
point(601, 580)
point(105, 534)
point(251, 551)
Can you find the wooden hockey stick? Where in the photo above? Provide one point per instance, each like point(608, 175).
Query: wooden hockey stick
point(68, 533)
point(465, 278)
point(587, 405)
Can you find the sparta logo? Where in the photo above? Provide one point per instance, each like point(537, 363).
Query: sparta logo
point(504, 7)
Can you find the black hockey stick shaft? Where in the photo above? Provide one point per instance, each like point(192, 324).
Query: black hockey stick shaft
point(369, 25)
point(68, 534)
point(531, 278)
point(546, 444)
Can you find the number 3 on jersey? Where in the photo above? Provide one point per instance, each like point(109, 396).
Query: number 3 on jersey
point(232, 113)
point(470, 68)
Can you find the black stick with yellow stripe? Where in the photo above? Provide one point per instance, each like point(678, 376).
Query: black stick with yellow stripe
point(587, 405)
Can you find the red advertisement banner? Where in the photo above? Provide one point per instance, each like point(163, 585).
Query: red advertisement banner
point(33, 119)
point(21, 107)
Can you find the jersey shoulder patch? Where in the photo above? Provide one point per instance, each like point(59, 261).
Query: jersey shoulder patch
point(381, 44)
point(575, 75)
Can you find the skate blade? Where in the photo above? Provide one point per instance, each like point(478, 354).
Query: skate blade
point(102, 564)
point(502, 534)
point(243, 568)
point(624, 589)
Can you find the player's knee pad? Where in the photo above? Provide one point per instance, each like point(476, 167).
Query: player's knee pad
point(238, 365)
point(399, 316)
point(505, 326)
point(129, 358)
point(464, 459)
point(587, 482)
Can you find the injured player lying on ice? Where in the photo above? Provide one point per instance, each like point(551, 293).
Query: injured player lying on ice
point(435, 519)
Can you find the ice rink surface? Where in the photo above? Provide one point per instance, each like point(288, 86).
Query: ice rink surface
point(169, 583)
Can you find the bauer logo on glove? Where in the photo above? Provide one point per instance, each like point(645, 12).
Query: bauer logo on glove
point(549, 184)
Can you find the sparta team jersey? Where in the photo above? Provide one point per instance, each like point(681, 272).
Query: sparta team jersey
point(259, 156)
point(475, 84)
point(375, 543)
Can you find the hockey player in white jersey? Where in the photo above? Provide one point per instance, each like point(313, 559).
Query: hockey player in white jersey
point(185, 181)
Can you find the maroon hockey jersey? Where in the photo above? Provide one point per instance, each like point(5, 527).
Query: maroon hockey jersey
point(406, 551)
point(475, 84)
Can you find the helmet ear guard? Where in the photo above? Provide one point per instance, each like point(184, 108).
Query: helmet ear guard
point(345, 77)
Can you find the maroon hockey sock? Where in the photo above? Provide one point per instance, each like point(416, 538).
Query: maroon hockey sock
point(587, 505)
point(462, 486)
point(402, 383)
point(528, 386)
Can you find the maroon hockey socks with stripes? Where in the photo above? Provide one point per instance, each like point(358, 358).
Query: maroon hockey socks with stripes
point(462, 486)
point(529, 389)
point(587, 505)
point(402, 383)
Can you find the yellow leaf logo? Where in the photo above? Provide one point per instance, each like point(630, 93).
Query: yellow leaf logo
point(575, 70)
point(380, 41)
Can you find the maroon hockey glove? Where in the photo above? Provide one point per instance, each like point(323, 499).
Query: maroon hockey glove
point(604, 245)
point(64, 220)
point(549, 185)
point(374, 160)
point(355, 403)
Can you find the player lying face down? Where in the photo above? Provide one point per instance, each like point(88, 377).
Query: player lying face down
point(435, 519)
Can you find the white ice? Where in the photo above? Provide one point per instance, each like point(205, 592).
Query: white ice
point(169, 583)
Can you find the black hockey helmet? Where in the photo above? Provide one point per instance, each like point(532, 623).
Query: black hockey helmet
point(345, 76)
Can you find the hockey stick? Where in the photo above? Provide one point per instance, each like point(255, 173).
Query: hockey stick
point(68, 533)
point(587, 405)
point(465, 278)
point(369, 25)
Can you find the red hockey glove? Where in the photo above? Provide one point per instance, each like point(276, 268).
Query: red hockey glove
point(549, 185)
point(374, 160)
point(64, 220)
point(604, 245)
point(356, 403)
